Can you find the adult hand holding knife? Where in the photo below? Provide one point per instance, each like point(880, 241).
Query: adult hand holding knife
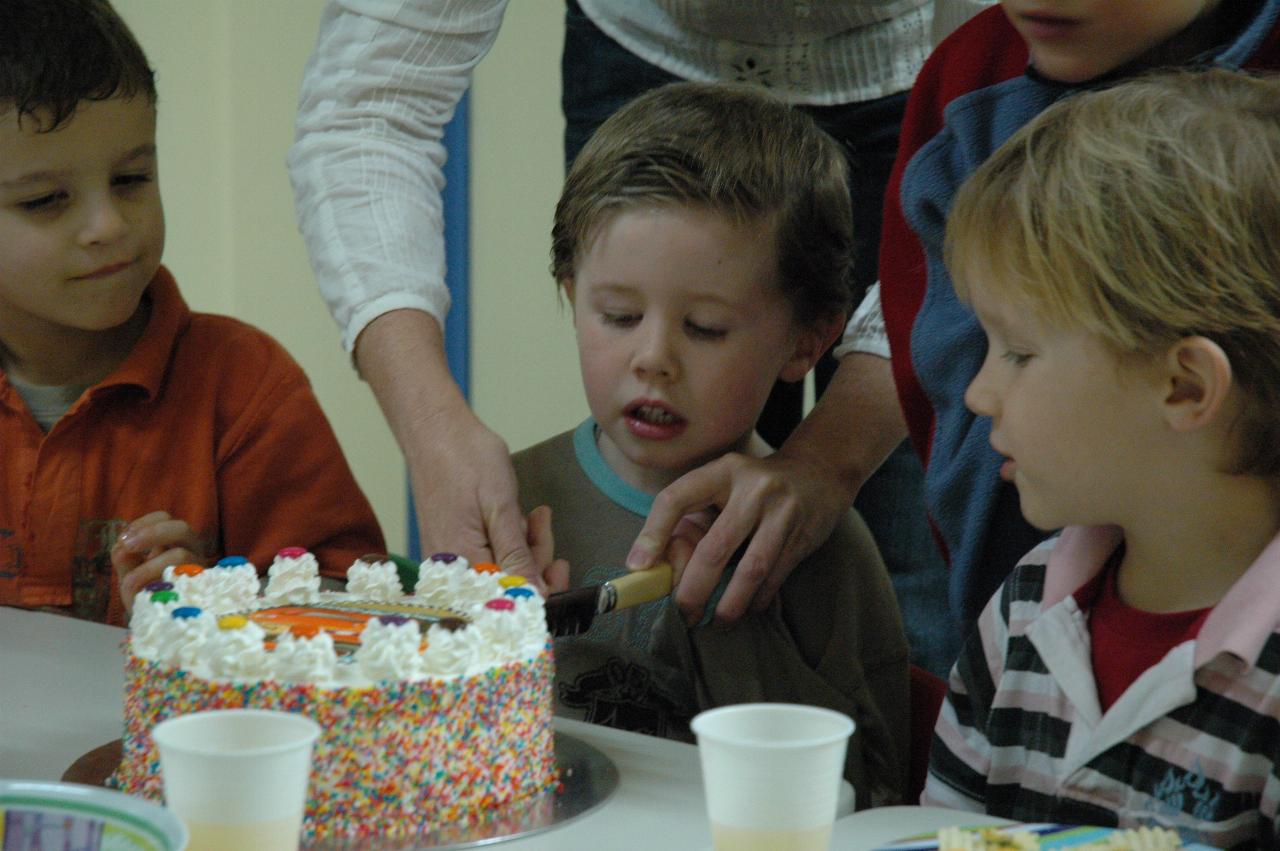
point(572, 612)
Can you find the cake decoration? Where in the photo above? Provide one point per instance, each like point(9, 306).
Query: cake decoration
point(374, 577)
point(436, 707)
point(294, 577)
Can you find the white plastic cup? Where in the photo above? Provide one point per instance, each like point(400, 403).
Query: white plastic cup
point(772, 774)
point(237, 777)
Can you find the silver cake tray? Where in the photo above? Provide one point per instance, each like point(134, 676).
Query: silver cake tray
point(587, 779)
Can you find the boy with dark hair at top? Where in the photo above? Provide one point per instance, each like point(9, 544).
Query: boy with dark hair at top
point(136, 433)
point(1122, 255)
point(704, 241)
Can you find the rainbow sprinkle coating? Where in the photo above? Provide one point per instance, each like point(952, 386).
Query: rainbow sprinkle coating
point(404, 754)
point(397, 759)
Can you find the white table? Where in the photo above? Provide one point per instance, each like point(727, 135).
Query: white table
point(61, 696)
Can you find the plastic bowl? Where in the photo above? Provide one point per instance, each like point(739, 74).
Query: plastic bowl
point(36, 814)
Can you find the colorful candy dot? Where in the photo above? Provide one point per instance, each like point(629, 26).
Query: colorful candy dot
point(486, 567)
point(518, 593)
point(188, 570)
point(393, 620)
point(232, 622)
point(512, 581)
point(446, 558)
point(292, 552)
point(158, 585)
point(232, 561)
point(452, 624)
point(183, 613)
point(163, 597)
point(500, 604)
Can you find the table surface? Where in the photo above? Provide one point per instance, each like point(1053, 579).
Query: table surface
point(61, 696)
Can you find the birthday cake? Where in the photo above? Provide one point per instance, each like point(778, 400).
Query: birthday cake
point(435, 706)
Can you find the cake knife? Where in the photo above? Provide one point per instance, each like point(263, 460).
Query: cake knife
point(572, 612)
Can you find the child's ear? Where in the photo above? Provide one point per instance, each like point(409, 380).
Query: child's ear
point(1197, 383)
point(813, 339)
point(566, 286)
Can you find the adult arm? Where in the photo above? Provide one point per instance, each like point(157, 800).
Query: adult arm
point(461, 473)
point(787, 503)
point(383, 81)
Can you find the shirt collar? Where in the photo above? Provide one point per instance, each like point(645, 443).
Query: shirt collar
point(146, 365)
point(1239, 624)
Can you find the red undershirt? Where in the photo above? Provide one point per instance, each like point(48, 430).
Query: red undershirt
point(1125, 641)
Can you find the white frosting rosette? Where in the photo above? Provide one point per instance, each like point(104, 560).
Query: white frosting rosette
point(452, 653)
point(371, 579)
point(235, 651)
point(455, 584)
point(193, 627)
point(230, 585)
point(440, 576)
point(304, 660)
point(294, 578)
point(389, 649)
point(151, 627)
point(182, 578)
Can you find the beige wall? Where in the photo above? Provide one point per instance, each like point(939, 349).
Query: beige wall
point(228, 73)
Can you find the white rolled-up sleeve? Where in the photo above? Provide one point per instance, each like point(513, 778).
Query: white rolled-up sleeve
point(366, 163)
point(864, 331)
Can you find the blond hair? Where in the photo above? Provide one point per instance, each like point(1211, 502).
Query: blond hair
point(1145, 213)
point(733, 150)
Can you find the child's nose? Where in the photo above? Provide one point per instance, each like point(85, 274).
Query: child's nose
point(979, 396)
point(655, 355)
point(104, 222)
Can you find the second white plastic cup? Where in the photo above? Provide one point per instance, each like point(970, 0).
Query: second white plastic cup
point(237, 777)
point(772, 774)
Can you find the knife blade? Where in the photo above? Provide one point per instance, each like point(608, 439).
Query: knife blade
point(572, 612)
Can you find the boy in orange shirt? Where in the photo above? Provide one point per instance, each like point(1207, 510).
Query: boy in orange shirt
point(115, 399)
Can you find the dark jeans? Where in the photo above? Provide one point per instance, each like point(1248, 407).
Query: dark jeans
point(599, 76)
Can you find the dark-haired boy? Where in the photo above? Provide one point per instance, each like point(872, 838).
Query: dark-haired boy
point(120, 410)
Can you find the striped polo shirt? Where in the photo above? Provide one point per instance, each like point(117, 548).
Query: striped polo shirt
point(1193, 744)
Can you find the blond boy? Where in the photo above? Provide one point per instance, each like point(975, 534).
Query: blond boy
point(1121, 253)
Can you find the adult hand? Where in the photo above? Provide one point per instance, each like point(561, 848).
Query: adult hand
point(786, 504)
point(786, 507)
point(149, 545)
point(555, 571)
point(463, 483)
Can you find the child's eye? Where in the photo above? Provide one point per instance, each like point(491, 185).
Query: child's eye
point(1016, 358)
point(620, 320)
point(130, 180)
point(702, 332)
point(44, 202)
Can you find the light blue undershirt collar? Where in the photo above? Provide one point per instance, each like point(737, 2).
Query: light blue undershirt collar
point(602, 475)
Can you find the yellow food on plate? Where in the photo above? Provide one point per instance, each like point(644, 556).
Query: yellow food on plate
point(994, 839)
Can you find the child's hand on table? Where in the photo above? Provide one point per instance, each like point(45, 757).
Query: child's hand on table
point(149, 545)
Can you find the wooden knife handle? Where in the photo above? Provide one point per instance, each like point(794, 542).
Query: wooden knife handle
point(642, 586)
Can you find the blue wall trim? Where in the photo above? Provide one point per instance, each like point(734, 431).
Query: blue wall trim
point(457, 251)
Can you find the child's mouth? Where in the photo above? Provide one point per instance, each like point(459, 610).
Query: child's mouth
point(653, 421)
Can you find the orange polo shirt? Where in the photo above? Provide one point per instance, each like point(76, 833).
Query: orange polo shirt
point(209, 419)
